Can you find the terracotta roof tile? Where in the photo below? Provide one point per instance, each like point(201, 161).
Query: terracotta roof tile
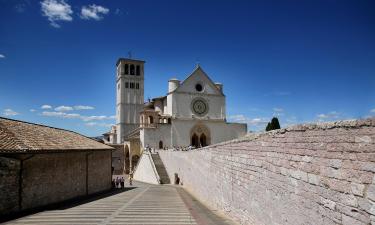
point(19, 136)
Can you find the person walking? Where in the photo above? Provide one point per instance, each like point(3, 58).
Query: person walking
point(122, 181)
point(117, 182)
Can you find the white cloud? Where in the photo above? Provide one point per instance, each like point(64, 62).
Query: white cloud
point(61, 115)
point(92, 124)
point(257, 123)
point(2, 56)
point(10, 112)
point(92, 118)
point(83, 107)
point(56, 10)
point(328, 116)
point(32, 110)
point(46, 107)
point(278, 109)
point(63, 108)
point(93, 11)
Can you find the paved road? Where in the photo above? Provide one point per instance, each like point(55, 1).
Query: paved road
point(146, 204)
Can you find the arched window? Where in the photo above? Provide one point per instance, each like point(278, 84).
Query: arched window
point(138, 70)
point(160, 144)
point(150, 120)
point(126, 69)
point(169, 120)
point(132, 69)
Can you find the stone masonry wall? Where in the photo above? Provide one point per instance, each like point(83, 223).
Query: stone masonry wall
point(9, 177)
point(52, 177)
point(307, 174)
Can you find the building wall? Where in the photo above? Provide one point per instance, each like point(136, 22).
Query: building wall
point(9, 177)
point(179, 136)
point(181, 105)
point(313, 174)
point(54, 177)
point(118, 159)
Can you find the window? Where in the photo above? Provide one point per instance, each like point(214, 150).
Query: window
point(132, 69)
point(126, 85)
point(160, 144)
point(126, 69)
point(118, 87)
point(137, 86)
point(138, 70)
point(198, 87)
point(150, 120)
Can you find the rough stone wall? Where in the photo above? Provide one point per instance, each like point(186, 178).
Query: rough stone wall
point(307, 174)
point(100, 174)
point(52, 177)
point(118, 159)
point(9, 177)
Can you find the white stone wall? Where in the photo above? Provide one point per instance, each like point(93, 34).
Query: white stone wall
point(152, 136)
point(304, 175)
point(145, 170)
point(178, 134)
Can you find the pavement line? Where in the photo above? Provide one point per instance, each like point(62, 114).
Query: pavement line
point(117, 212)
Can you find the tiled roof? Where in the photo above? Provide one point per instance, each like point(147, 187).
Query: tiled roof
point(20, 136)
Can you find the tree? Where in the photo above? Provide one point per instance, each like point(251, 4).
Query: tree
point(273, 125)
point(268, 127)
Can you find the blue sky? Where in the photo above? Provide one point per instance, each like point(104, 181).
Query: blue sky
point(304, 61)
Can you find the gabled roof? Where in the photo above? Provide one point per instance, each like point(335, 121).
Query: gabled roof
point(199, 71)
point(23, 137)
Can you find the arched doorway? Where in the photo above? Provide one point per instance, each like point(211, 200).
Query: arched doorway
point(160, 144)
point(127, 160)
point(194, 141)
point(200, 136)
point(203, 140)
point(135, 159)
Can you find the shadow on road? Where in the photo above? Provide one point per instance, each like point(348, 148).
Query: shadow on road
point(66, 204)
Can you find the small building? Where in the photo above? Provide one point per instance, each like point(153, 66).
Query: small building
point(42, 165)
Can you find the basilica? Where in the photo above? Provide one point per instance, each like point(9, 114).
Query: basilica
point(192, 113)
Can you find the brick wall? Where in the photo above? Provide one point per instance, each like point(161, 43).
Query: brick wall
point(307, 174)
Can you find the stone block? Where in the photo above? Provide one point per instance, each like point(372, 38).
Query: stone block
point(371, 192)
point(335, 163)
point(357, 189)
point(313, 179)
point(347, 220)
point(328, 203)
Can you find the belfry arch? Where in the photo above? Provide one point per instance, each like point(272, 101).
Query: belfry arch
point(200, 136)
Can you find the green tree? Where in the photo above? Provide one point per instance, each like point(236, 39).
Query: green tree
point(268, 127)
point(275, 123)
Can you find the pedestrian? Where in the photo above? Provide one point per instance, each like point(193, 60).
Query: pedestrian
point(130, 179)
point(122, 181)
point(113, 184)
point(117, 182)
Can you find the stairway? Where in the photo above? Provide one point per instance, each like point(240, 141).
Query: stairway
point(164, 178)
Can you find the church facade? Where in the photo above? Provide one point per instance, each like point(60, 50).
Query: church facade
point(192, 113)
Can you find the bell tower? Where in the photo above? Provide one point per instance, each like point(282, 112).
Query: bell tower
point(129, 95)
